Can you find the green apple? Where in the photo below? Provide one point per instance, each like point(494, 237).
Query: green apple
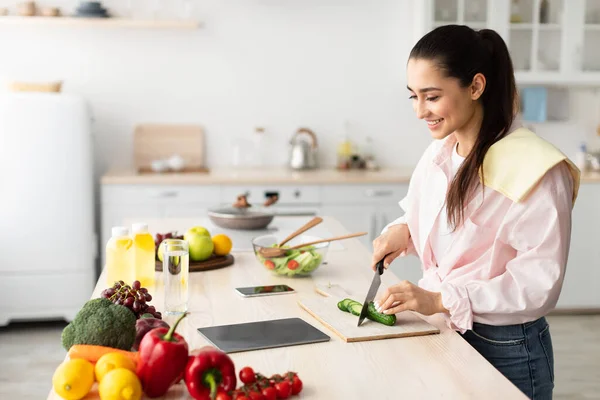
point(201, 247)
point(160, 251)
point(196, 230)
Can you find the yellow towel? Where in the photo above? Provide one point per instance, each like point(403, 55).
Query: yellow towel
point(517, 162)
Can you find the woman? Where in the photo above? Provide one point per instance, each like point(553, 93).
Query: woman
point(488, 209)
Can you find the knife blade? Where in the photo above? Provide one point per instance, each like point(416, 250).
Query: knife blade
point(372, 291)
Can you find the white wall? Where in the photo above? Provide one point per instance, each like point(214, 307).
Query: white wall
point(279, 64)
point(274, 63)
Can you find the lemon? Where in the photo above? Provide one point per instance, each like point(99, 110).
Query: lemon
point(73, 379)
point(222, 244)
point(120, 384)
point(111, 361)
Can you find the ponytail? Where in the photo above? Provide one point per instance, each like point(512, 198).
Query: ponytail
point(461, 52)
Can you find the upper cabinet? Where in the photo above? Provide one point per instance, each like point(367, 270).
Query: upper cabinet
point(552, 42)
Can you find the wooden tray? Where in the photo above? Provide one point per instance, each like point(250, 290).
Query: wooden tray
point(148, 170)
point(161, 141)
point(215, 262)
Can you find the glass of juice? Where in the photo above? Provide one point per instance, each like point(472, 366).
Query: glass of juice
point(176, 272)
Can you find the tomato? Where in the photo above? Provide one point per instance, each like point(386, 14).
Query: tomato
point(270, 264)
point(241, 396)
point(223, 396)
point(256, 396)
point(284, 389)
point(247, 375)
point(293, 264)
point(270, 393)
point(296, 385)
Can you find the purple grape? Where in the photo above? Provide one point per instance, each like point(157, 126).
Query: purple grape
point(129, 302)
point(119, 301)
point(136, 306)
point(144, 290)
point(136, 285)
point(151, 309)
point(148, 297)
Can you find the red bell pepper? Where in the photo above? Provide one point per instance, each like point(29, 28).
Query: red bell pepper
point(209, 371)
point(163, 355)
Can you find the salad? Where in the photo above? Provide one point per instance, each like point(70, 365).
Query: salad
point(296, 262)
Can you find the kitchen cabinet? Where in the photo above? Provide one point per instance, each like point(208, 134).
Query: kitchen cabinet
point(406, 268)
point(550, 43)
point(356, 218)
point(359, 207)
point(581, 288)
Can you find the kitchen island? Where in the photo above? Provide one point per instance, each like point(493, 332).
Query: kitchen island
point(422, 367)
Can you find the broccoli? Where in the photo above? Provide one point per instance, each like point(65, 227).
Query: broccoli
point(103, 323)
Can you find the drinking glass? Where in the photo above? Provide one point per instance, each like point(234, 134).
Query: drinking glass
point(176, 272)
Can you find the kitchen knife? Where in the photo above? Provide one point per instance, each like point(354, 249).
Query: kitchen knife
point(372, 290)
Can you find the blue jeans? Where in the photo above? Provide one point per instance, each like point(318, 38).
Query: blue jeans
point(522, 353)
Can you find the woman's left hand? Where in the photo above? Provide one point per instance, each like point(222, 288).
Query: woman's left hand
point(407, 296)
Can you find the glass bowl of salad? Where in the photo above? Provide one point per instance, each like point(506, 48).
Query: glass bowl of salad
point(297, 262)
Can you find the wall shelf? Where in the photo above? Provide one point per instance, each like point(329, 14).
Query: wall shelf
point(555, 78)
point(99, 22)
point(471, 24)
point(529, 27)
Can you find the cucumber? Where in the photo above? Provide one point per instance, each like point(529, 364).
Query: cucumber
point(355, 308)
point(385, 319)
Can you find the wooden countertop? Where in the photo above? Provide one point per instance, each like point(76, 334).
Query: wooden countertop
point(259, 176)
point(426, 367)
point(279, 176)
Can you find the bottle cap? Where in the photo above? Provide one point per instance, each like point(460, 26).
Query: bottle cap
point(119, 231)
point(139, 228)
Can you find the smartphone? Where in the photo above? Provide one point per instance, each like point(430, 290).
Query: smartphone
point(253, 291)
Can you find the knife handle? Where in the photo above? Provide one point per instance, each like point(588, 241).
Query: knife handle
point(379, 266)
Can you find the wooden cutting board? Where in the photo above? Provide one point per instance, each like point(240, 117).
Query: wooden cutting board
point(343, 324)
point(162, 141)
point(215, 262)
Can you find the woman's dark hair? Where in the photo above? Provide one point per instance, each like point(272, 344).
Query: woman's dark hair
point(461, 53)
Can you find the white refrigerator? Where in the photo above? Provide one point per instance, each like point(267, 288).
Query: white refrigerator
point(47, 237)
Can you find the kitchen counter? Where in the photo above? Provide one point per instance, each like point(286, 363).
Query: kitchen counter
point(429, 367)
point(263, 176)
point(279, 176)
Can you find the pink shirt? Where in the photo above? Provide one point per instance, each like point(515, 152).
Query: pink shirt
point(506, 263)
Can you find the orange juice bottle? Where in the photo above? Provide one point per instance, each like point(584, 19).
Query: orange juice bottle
point(143, 245)
point(119, 257)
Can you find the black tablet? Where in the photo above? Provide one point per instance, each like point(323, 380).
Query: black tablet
point(262, 335)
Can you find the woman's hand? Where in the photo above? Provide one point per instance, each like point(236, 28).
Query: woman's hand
point(393, 243)
point(407, 296)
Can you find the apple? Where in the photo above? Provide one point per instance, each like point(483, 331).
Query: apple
point(196, 230)
point(201, 246)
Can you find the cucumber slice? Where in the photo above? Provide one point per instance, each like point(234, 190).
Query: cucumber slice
point(342, 306)
point(355, 308)
point(350, 302)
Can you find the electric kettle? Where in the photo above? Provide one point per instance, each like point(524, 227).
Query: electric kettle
point(303, 154)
